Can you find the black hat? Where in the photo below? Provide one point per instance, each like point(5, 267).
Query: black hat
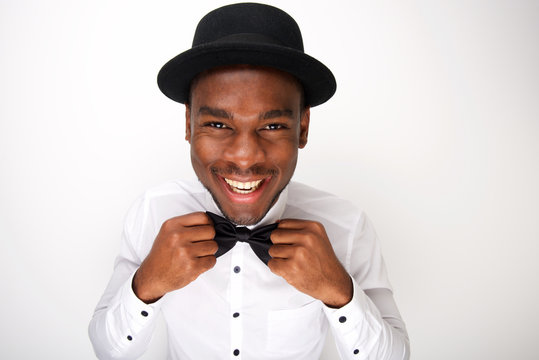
point(247, 33)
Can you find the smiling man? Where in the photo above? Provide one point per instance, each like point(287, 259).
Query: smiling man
point(246, 263)
point(245, 125)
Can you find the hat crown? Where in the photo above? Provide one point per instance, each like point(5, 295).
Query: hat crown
point(247, 33)
point(249, 21)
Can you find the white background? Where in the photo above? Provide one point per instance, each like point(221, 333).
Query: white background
point(433, 131)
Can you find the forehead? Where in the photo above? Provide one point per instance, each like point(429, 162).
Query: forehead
point(245, 83)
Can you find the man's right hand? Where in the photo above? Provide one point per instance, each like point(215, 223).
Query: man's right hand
point(183, 249)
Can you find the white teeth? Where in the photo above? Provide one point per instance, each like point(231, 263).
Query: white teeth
point(243, 187)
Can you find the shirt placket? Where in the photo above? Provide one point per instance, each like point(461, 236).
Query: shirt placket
point(236, 301)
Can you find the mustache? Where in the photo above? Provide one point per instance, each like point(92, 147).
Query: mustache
point(234, 170)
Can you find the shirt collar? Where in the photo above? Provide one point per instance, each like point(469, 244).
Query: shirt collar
point(275, 212)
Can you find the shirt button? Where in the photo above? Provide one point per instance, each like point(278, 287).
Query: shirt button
point(129, 337)
point(236, 352)
point(342, 319)
point(144, 313)
point(356, 351)
point(236, 314)
point(237, 269)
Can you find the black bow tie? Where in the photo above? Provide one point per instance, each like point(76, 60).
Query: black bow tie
point(227, 234)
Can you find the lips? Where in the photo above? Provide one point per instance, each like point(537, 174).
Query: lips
point(243, 187)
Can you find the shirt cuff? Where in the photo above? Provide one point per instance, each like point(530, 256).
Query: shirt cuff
point(356, 326)
point(136, 314)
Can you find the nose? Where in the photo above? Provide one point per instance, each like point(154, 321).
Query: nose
point(244, 150)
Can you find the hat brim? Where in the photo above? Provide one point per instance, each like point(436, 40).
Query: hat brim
point(175, 76)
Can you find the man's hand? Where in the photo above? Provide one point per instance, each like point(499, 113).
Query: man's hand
point(303, 256)
point(183, 249)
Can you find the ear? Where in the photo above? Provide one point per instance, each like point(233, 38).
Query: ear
point(304, 126)
point(188, 123)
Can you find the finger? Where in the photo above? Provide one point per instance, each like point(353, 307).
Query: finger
point(277, 266)
point(287, 236)
point(194, 219)
point(303, 225)
point(206, 262)
point(204, 248)
point(292, 224)
point(282, 251)
point(186, 221)
point(199, 233)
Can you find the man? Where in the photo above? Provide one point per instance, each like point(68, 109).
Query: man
point(310, 260)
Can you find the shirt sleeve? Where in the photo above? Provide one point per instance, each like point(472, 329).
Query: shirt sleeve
point(122, 324)
point(370, 326)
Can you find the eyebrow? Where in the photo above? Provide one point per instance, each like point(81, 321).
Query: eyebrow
point(272, 114)
point(221, 113)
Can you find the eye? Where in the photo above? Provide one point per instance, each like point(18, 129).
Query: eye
point(217, 125)
point(274, 127)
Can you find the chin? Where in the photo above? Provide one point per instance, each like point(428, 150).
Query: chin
point(241, 216)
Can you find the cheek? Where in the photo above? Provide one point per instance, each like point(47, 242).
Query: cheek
point(202, 152)
point(285, 157)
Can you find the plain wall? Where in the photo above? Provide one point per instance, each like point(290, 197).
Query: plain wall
point(433, 131)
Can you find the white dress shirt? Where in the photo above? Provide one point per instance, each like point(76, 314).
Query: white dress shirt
point(239, 309)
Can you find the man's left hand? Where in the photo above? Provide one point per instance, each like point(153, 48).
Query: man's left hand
point(303, 256)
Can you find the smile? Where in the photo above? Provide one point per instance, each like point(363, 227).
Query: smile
point(243, 187)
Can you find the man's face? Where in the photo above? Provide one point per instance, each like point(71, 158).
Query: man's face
point(245, 125)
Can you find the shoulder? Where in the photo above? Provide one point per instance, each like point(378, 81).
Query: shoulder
point(308, 202)
point(156, 205)
point(174, 188)
point(308, 197)
point(168, 199)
